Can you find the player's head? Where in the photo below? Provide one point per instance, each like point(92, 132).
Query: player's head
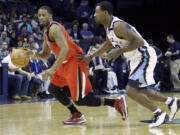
point(4, 45)
point(45, 14)
point(170, 38)
point(102, 11)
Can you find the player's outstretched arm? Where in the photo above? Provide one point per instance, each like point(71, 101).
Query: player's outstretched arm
point(104, 48)
point(107, 46)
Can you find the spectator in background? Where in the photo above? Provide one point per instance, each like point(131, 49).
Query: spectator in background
point(20, 43)
point(84, 33)
point(83, 11)
point(38, 37)
point(3, 50)
point(100, 79)
point(18, 83)
point(33, 44)
point(25, 23)
point(75, 34)
point(158, 51)
point(9, 29)
point(34, 21)
point(174, 53)
point(34, 68)
point(13, 40)
point(4, 37)
point(23, 34)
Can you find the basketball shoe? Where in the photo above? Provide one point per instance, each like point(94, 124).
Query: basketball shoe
point(160, 117)
point(121, 106)
point(76, 118)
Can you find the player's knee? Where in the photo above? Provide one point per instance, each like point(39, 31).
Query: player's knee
point(80, 103)
point(129, 91)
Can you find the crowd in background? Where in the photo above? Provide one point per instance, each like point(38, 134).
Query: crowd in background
point(19, 27)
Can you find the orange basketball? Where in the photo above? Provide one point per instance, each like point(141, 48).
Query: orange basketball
point(19, 57)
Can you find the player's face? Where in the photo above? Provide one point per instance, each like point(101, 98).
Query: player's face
point(44, 17)
point(99, 15)
point(169, 40)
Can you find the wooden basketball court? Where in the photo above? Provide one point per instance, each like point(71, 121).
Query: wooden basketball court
point(44, 118)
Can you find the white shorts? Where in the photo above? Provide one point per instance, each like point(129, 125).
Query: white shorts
point(142, 68)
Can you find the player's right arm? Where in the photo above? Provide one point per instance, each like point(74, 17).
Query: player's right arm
point(44, 54)
point(104, 48)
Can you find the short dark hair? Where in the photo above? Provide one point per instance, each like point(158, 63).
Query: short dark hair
point(105, 5)
point(170, 36)
point(49, 10)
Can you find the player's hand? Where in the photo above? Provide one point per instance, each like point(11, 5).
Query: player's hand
point(29, 76)
point(84, 58)
point(113, 55)
point(45, 74)
point(168, 54)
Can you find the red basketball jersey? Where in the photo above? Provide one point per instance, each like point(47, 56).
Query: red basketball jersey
point(74, 48)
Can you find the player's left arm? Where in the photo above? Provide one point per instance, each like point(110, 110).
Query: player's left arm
point(57, 35)
point(123, 30)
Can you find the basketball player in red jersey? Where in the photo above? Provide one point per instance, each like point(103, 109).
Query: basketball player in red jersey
point(67, 71)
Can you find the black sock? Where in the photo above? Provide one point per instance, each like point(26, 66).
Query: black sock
point(72, 109)
point(109, 102)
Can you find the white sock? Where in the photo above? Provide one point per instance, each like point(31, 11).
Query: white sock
point(169, 99)
point(157, 110)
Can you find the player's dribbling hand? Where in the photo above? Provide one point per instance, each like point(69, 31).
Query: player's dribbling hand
point(84, 58)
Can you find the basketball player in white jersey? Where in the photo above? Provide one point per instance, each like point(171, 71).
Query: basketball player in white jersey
point(122, 38)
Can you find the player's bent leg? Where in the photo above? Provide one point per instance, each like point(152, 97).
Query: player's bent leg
point(141, 98)
point(160, 116)
point(93, 101)
point(61, 95)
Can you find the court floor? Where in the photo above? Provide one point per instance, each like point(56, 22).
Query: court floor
point(44, 118)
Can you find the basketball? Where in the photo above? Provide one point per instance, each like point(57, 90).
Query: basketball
point(19, 57)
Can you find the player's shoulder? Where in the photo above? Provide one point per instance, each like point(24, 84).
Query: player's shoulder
point(121, 25)
point(54, 29)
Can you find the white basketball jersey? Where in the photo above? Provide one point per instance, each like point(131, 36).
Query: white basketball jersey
point(120, 43)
